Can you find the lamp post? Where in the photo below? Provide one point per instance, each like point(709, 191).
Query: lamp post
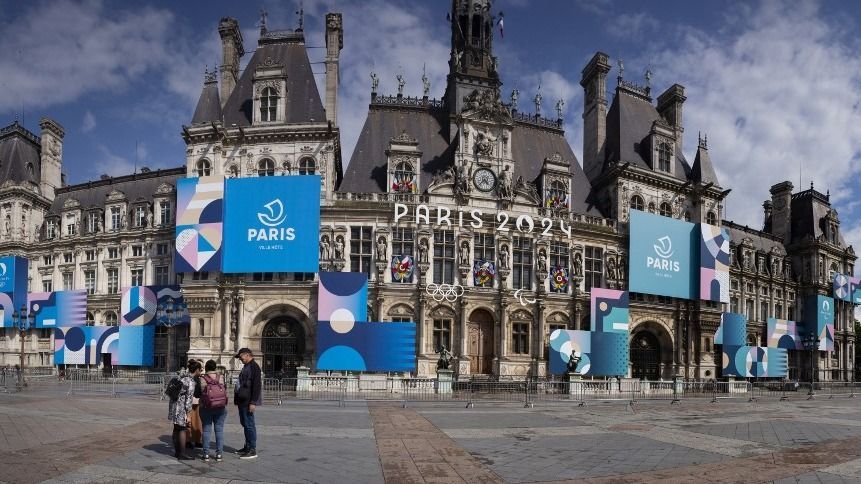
point(166, 316)
point(23, 321)
point(810, 342)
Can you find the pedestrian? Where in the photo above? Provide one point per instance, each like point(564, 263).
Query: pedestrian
point(248, 396)
point(179, 408)
point(195, 429)
point(213, 409)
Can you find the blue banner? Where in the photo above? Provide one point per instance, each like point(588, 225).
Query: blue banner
point(366, 346)
point(663, 251)
point(272, 224)
point(13, 287)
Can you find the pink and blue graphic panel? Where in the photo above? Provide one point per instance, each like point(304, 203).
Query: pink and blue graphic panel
point(84, 345)
point(609, 311)
point(714, 263)
point(783, 333)
point(199, 224)
point(742, 360)
point(58, 308)
point(160, 305)
point(819, 320)
point(136, 345)
point(13, 287)
point(567, 342)
point(364, 346)
point(343, 297)
point(847, 288)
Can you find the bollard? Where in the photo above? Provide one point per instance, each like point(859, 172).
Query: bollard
point(677, 385)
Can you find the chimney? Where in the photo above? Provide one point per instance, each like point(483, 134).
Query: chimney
point(51, 139)
point(670, 108)
point(231, 51)
point(781, 211)
point(334, 44)
point(594, 82)
point(766, 219)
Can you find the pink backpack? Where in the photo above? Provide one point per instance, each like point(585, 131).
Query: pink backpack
point(214, 395)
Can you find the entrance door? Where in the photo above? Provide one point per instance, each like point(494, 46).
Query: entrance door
point(480, 342)
point(645, 356)
point(283, 347)
point(107, 366)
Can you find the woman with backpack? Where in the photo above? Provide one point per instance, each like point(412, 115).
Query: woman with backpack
point(181, 387)
point(213, 409)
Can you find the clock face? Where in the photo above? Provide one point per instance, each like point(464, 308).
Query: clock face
point(484, 179)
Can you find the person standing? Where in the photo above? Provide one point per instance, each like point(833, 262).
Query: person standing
point(179, 408)
point(213, 409)
point(195, 427)
point(248, 396)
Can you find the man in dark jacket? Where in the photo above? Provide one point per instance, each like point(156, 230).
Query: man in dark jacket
point(248, 395)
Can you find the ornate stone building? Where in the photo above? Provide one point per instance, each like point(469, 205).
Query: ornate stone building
point(469, 186)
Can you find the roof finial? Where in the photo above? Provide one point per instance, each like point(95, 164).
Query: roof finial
point(375, 81)
point(621, 70)
point(648, 76)
point(559, 105)
point(425, 81)
point(401, 82)
point(811, 184)
point(538, 102)
point(263, 17)
point(514, 95)
point(301, 14)
point(209, 76)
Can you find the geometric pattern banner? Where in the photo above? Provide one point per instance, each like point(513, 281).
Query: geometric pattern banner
point(366, 346)
point(742, 360)
point(136, 345)
point(342, 297)
point(199, 224)
point(847, 288)
point(783, 333)
point(604, 350)
point(13, 287)
point(84, 345)
point(714, 263)
point(160, 305)
point(58, 308)
point(819, 320)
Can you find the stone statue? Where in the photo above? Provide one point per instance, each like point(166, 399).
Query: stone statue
point(461, 182)
point(381, 248)
point(8, 225)
point(123, 221)
point(375, 81)
point(621, 268)
point(541, 272)
point(611, 268)
point(401, 83)
point(457, 59)
point(503, 256)
point(423, 250)
point(538, 104)
point(425, 84)
point(515, 94)
point(464, 254)
point(325, 248)
point(559, 105)
point(234, 317)
point(445, 357)
point(339, 248)
point(483, 144)
point(494, 64)
point(506, 188)
point(573, 361)
point(578, 264)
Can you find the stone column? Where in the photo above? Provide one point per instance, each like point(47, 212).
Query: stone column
point(538, 337)
point(419, 318)
point(225, 321)
point(240, 326)
point(503, 329)
point(464, 310)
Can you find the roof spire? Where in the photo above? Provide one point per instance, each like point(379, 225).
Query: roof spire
point(425, 81)
point(263, 17)
point(209, 76)
point(301, 14)
point(648, 76)
point(621, 70)
point(538, 101)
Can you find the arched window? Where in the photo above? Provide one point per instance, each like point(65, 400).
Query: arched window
point(203, 168)
point(404, 178)
point(30, 168)
point(307, 166)
point(664, 155)
point(637, 203)
point(201, 327)
point(557, 195)
point(91, 321)
point(266, 167)
point(110, 318)
point(666, 209)
point(268, 105)
point(711, 218)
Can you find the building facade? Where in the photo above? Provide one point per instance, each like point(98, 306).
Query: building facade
point(471, 216)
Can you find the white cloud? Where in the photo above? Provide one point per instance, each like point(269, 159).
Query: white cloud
point(772, 102)
point(631, 26)
point(88, 123)
point(112, 164)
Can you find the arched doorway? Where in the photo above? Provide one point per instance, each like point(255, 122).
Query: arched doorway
point(283, 346)
point(645, 356)
point(479, 342)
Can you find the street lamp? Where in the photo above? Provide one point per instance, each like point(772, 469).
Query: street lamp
point(23, 321)
point(166, 316)
point(810, 343)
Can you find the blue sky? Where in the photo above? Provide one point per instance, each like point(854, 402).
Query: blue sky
point(775, 85)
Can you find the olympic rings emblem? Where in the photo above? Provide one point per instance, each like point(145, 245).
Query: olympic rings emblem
point(448, 292)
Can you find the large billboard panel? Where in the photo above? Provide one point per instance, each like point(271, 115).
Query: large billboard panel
point(136, 345)
point(159, 305)
point(58, 308)
point(13, 286)
point(85, 345)
point(663, 256)
point(847, 288)
point(782, 333)
point(609, 310)
point(366, 346)
point(199, 224)
point(342, 297)
point(714, 263)
point(272, 224)
point(819, 320)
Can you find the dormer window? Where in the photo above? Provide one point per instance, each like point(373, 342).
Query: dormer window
point(403, 179)
point(666, 210)
point(266, 167)
point(664, 156)
point(269, 105)
point(140, 216)
point(51, 229)
point(711, 218)
point(115, 218)
point(92, 223)
point(557, 195)
point(307, 166)
point(71, 225)
point(637, 203)
point(203, 168)
point(164, 209)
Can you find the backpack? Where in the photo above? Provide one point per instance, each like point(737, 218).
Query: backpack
point(214, 395)
point(173, 388)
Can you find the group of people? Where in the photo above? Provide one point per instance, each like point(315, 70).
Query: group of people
point(198, 405)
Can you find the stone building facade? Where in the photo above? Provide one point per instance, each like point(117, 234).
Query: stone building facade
point(468, 185)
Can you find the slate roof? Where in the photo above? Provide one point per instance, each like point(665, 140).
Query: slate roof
point(629, 123)
point(209, 105)
point(760, 240)
point(807, 210)
point(94, 193)
point(531, 144)
point(303, 99)
point(703, 171)
point(18, 147)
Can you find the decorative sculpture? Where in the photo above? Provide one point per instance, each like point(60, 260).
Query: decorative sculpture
point(559, 104)
point(578, 264)
point(423, 250)
point(381, 248)
point(505, 189)
point(339, 248)
point(515, 94)
point(375, 81)
point(325, 248)
point(401, 83)
point(464, 253)
point(445, 357)
point(503, 256)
